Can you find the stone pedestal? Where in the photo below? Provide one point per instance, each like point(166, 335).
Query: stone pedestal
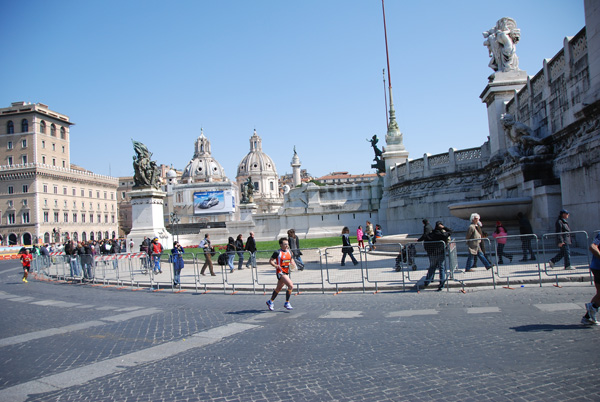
point(148, 217)
point(496, 94)
point(247, 210)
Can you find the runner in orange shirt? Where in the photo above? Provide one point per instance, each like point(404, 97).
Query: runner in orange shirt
point(282, 260)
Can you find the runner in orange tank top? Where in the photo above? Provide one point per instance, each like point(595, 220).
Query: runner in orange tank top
point(282, 260)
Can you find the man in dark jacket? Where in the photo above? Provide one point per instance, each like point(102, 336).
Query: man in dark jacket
point(438, 239)
point(564, 240)
point(526, 231)
point(427, 229)
point(251, 248)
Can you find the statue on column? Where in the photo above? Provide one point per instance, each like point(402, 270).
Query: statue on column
point(501, 42)
point(379, 162)
point(247, 189)
point(146, 172)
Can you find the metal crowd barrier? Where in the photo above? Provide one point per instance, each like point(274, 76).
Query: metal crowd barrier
point(579, 252)
point(336, 274)
point(520, 248)
point(460, 253)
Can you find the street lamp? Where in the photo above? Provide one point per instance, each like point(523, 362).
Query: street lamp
point(175, 221)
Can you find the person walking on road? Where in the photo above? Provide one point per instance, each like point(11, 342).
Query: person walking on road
point(591, 315)
point(438, 239)
point(239, 249)
point(564, 240)
point(282, 261)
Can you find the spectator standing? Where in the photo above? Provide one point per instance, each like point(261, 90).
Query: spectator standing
point(239, 249)
point(251, 248)
point(294, 243)
point(500, 236)
point(131, 245)
point(359, 237)
point(590, 316)
point(281, 260)
point(157, 250)
point(370, 234)
point(207, 250)
point(230, 250)
point(87, 261)
point(438, 239)
point(347, 248)
point(45, 255)
point(429, 247)
point(525, 229)
point(474, 237)
point(178, 263)
point(564, 240)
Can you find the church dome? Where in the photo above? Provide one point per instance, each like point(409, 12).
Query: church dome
point(203, 167)
point(256, 162)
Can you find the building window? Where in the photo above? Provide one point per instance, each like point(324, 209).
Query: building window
point(63, 149)
point(53, 147)
point(105, 218)
point(24, 203)
point(10, 127)
point(113, 218)
point(99, 218)
point(82, 218)
point(53, 130)
point(25, 217)
point(43, 159)
point(65, 203)
point(90, 194)
point(91, 218)
point(98, 196)
point(74, 218)
point(105, 195)
point(64, 164)
point(91, 206)
point(23, 143)
point(112, 196)
point(56, 217)
point(272, 186)
point(55, 189)
point(66, 217)
point(9, 160)
point(74, 204)
point(82, 205)
point(25, 188)
point(45, 202)
point(53, 162)
point(11, 190)
point(23, 159)
point(24, 126)
point(56, 203)
point(63, 133)
point(46, 217)
point(44, 144)
point(43, 127)
point(11, 218)
point(82, 193)
point(10, 203)
point(64, 191)
point(74, 193)
point(122, 195)
point(9, 145)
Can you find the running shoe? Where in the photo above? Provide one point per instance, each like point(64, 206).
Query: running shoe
point(270, 305)
point(591, 311)
point(288, 305)
point(587, 321)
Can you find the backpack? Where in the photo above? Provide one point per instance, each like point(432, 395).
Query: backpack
point(222, 260)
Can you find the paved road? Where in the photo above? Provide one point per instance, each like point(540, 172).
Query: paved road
point(63, 342)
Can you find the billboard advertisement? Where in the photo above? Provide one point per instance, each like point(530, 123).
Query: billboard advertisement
point(213, 202)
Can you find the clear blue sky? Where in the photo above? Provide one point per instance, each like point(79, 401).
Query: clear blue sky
point(305, 73)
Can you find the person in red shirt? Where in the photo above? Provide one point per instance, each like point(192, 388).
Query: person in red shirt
point(157, 250)
point(26, 261)
point(282, 261)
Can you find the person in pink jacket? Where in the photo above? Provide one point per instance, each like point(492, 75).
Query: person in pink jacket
point(500, 236)
point(359, 237)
